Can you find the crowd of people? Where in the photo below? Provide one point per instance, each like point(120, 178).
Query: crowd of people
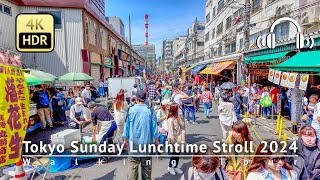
point(159, 113)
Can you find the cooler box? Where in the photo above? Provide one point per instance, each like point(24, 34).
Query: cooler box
point(66, 137)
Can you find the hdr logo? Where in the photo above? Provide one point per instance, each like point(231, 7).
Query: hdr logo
point(34, 33)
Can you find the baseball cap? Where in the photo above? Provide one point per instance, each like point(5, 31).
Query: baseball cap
point(141, 95)
point(78, 101)
point(91, 104)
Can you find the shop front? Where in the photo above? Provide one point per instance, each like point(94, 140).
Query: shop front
point(95, 66)
point(107, 67)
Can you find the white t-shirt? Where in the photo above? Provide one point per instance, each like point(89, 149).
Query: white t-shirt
point(315, 123)
point(74, 108)
point(265, 94)
point(246, 92)
point(177, 98)
point(86, 93)
point(226, 112)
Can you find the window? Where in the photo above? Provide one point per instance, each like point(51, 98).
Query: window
point(200, 43)
point(207, 37)
point(5, 9)
point(241, 44)
point(219, 50)
point(213, 33)
point(256, 5)
point(87, 29)
point(56, 17)
point(282, 31)
point(219, 29)
point(95, 34)
point(200, 28)
point(228, 22)
point(107, 40)
point(208, 17)
point(220, 5)
point(213, 12)
point(233, 47)
point(100, 39)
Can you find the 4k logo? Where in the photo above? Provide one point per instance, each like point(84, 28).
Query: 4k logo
point(34, 33)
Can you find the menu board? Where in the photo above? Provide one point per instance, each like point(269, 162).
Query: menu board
point(277, 77)
point(271, 75)
point(284, 79)
point(304, 79)
point(292, 80)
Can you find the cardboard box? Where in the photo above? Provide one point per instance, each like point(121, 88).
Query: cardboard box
point(66, 137)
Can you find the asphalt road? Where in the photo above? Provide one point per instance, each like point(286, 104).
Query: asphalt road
point(206, 131)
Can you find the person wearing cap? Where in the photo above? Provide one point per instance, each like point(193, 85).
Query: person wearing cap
point(78, 115)
point(140, 129)
point(238, 102)
point(86, 95)
point(102, 117)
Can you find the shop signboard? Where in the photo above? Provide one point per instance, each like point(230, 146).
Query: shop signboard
point(292, 80)
point(14, 113)
point(304, 79)
point(271, 75)
point(277, 77)
point(284, 79)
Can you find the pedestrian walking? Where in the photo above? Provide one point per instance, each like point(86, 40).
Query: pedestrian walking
point(238, 102)
point(176, 134)
point(41, 98)
point(58, 103)
point(162, 114)
point(236, 168)
point(189, 105)
point(120, 107)
point(106, 87)
point(268, 164)
point(178, 96)
point(205, 166)
point(207, 102)
point(227, 115)
point(101, 88)
point(266, 103)
point(86, 95)
point(140, 129)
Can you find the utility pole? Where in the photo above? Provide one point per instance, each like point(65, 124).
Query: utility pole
point(246, 24)
point(130, 69)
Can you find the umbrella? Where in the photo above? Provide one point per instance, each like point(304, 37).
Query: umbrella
point(32, 80)
point(46, 77)
point(228, 85)
point(76, 77)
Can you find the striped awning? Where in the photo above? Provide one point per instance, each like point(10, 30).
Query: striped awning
point(218, 67)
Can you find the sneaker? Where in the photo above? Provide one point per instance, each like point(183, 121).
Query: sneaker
point(171, 171)
point(178, 170)
point(43, 128)
point(188, 122)
point(263, 118)
point(194, 123)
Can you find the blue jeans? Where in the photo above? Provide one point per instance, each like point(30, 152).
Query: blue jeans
point(237, 111)
point(188, 110)
point(162, 139)
point(266, 111)
point(206, 108)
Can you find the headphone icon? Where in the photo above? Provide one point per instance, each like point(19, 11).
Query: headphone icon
point(271, 38)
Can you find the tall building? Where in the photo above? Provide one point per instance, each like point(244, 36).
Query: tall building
point(117, 23)
point(167, 52)
point(98, 5)
point(195, 42)
point(179, 51)
point(148, 52)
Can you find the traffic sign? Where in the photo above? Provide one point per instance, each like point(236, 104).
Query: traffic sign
point(34, 32)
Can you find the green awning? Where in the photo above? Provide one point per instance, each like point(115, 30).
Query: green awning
point(267, 58)
point(108, 66)
point(301, 62)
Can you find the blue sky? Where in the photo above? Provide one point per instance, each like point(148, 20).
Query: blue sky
point(167, 18)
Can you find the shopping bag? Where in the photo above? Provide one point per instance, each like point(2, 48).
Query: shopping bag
point(266, 101)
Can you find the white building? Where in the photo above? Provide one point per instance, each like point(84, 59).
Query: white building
point(179, 51)
point(195, 44)
point(167, 52)
point(118, 25)
point(148, 52)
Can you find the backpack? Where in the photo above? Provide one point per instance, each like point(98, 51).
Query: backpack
point(43, 98)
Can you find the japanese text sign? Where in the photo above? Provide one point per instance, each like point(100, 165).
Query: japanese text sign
point(14, 113)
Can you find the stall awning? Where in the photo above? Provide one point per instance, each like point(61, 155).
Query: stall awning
point(186, 70)
point(267, 58)
point(217, 68)
point(108, 66)
point(301, 62)
point(198, 68)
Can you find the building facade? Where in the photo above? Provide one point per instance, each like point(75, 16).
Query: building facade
point(195, 42)
point(179, 51)
point(148, 52)
point(117, 23)
point(167, 52)
point(84, 41)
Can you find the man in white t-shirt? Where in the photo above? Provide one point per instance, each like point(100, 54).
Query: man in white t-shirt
point(178, 96)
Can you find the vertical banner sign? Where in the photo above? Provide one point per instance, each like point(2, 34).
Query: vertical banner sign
point(279, 103)
point(296, 105)
point(14, 113)
point(304, 78)
point(271, 74)
point(284, 79)
point(292, 80)
point(277, 77)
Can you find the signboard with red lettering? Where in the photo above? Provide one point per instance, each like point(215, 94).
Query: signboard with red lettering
point(14, 113)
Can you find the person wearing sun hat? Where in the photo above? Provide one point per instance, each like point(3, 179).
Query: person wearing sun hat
point(78, 115)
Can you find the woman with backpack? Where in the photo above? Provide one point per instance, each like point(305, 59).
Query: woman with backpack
point(58, 105)
point(176, 134)
point(205, 166)
point(120, 107)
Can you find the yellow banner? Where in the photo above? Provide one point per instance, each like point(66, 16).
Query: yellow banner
point(14, 113)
